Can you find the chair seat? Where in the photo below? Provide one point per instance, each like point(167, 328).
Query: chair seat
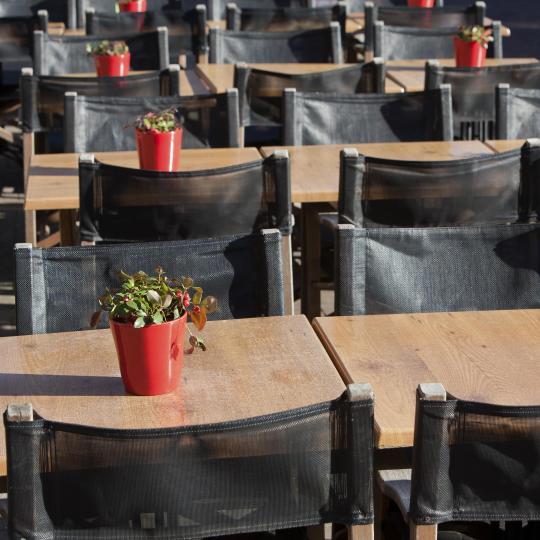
point(396, 485)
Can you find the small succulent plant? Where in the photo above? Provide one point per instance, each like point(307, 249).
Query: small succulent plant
point(143, 300)
point(107, 48)
point(476, 34)
point(162, 122)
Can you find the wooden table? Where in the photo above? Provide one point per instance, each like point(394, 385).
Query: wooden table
point(505, 146)
point(53, 180)
point(489, 356)
point(410, 74)
point(315, 183)
point(252, 367)
point(220, 77)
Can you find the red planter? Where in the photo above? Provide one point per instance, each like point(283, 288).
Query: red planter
point(112, 66)
point(469, 53)
point(421, 3)
point(150, 358)
point(136, 6)
point(159, 151)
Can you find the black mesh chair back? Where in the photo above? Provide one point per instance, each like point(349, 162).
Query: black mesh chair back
point(473, 93)
point(98, 124)
point(243, 272)
point(474, 461)
point(316, 46)
point(407, 43)
point(338, 118)
point(260, 91)
point(187, 29)
point(61, 55)
point(42, 97)
point(415, 270)
point(121, 204)
point(218, 8)
point(437, 17)
point(309, 465)
point(263, 19)
point(376, 192)
point(57, 10)
point(517, 114)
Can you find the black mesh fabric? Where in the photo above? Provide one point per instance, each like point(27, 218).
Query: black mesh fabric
point(284, 19)
point(469, 268)
point(260, 91)
point(407, 43)
point(218, 8)
point(385, 192)
point(185, 36)
point(60, 55)
point(473, 93)
point(299, 467)
point(315, 46)
point(121, 204)
point(438, 17)
point(243, 272)
point(333, 118)
point(474, 462)
point(100, 124)
point(518, 113)
point(57, 9)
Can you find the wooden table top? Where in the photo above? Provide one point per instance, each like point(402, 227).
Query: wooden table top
point(409, 74)
point(505, 146)
point(481, 356)
point(53, 180)
point(315, 169)
point(252, 367)
point(220, 77)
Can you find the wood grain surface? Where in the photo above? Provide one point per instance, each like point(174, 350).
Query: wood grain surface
point(53, 182)
point(251, 367)
point(504, 146)
point(315, 169)
point(489, 356)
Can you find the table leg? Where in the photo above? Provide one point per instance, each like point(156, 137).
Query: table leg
point(68, 229)
point(311, 258)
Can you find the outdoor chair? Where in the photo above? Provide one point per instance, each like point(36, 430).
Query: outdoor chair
point(299, 467)
point(517, 112)
point(417, 270)
point(42, 99)
point(364, 118)
point(218, 8)
point(473, 93)
point(322, 45)
point(187, 28)
point(57, 288)
point(61, 55)
point(437, 17)
point(407, 43)
point(472, 462)
point(101, 124)
point(260, 91)
point(263, 19)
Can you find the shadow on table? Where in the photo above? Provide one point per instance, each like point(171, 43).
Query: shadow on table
point(20, 384)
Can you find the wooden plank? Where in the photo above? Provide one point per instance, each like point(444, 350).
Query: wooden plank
point(505, 146)
point(487, 356)
point(53, 182)
point(315, 169)
point(252, 367)
point(409, 74)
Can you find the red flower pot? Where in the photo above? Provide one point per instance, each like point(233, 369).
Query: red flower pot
point(469, 53)
point(159, 151)
point(421, 3)
point(112, 66)
point(150, 358)
point(135, 6)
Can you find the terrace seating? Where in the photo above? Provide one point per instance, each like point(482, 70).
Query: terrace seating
point(517, 112)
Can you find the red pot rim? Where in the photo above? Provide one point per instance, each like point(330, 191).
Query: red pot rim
point(143, 131)
point(116, 323)
point(123, 55)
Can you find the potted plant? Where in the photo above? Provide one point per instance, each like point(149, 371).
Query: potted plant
point(159, 139)
point(112, 58)
point(147, 316)
point(471, 45)
point(421, 3)
point(133, 6)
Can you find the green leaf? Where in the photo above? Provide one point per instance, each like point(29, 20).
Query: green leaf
point(167, 301)
point(132, 305)
point(153, 297)
point(139, 322)
point(197, 297)
point(157, 318)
